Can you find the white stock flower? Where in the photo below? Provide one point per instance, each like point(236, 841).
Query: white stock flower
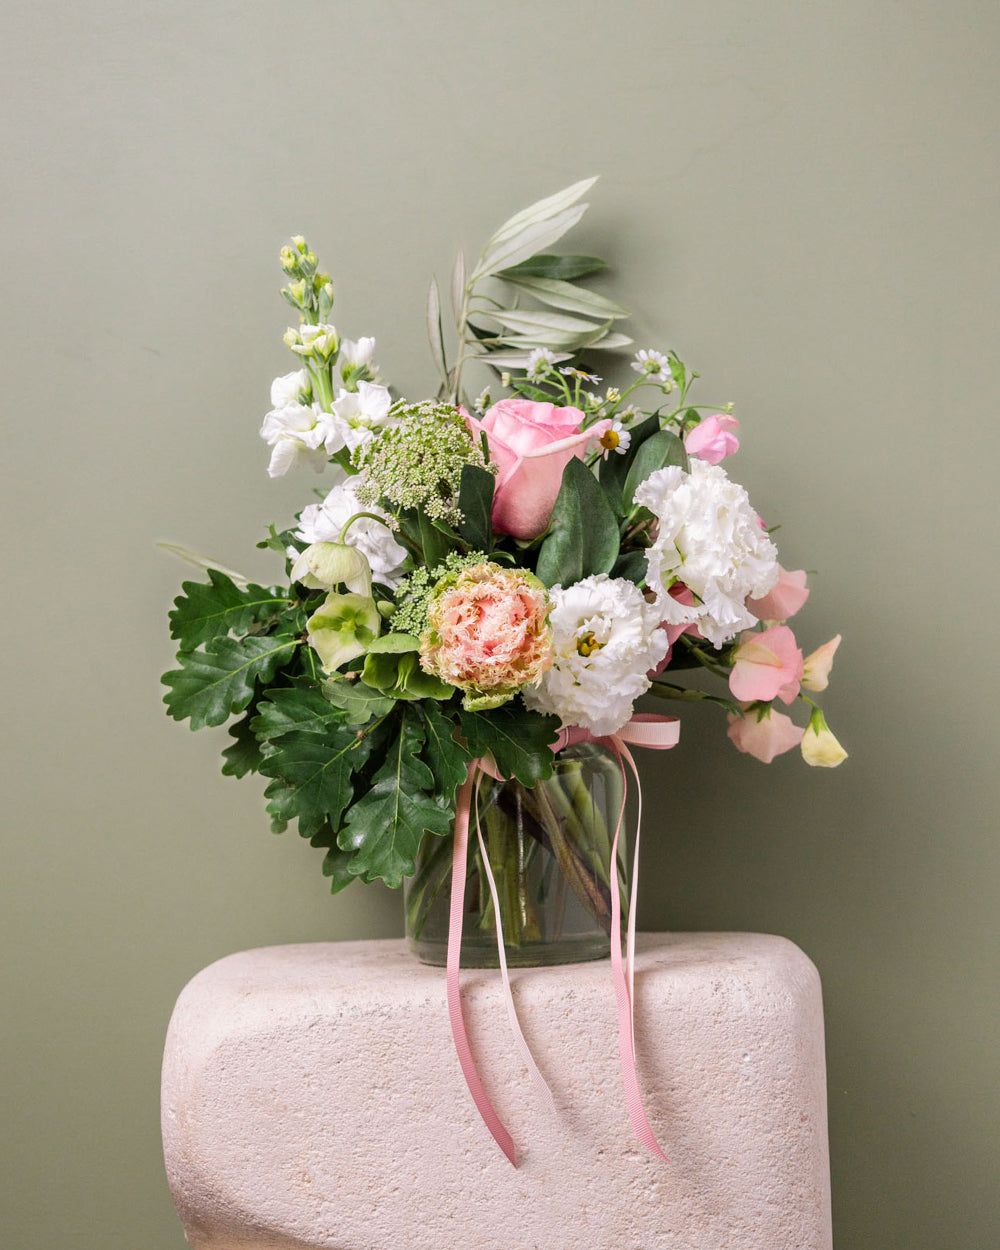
point(654, 364)
point(323, 523)
point(709, 538)
point(362, 411)
point(320, 340)
point(606, 639)
point(300, 434)
point(290, 387)
point(355, 354)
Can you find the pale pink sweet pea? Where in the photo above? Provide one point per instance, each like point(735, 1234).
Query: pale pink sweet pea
point(763, 734)
point(766, 666)
point(713, 439)
point(784, 600)
point(816, 667)
point(530, 443)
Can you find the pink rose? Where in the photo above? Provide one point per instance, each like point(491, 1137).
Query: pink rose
point(763, 735)
point(766, 666)
point(784, 599)
point(712, 440)
point(531, 444)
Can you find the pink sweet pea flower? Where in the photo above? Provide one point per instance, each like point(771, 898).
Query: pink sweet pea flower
point(816, 668)
point(763, 733)
point(712, 440)
point(531, 443)
point(766, 666)
point(784, 600)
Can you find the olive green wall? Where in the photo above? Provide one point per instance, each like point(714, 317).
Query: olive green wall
point(802, 198)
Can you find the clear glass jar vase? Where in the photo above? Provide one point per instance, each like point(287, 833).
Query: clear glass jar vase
point(549, 848)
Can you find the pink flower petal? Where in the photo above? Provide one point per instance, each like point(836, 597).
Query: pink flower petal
point(764, 738)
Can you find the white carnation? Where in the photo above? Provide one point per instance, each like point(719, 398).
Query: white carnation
point(606, 640)
point(323, 522)
point(710, 539)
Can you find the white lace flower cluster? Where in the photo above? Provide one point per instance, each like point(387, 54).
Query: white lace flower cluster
point(323, 523)
point(606, 639)
point(709, 538)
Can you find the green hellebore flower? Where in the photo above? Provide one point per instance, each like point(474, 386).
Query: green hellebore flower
point(343, 628)
point(325, 565)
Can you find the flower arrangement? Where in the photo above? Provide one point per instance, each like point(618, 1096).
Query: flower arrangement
point(482, 574)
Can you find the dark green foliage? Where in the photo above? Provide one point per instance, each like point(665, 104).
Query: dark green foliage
point(583, 532)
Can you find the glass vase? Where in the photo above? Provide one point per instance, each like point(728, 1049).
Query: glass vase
point(549, 848)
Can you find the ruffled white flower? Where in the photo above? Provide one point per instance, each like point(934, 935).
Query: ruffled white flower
point(363, 411)
point(709, 538)
point(300, 434)
point(654, 364)
point(606, 639)
point(323, 523)
point(291, 388)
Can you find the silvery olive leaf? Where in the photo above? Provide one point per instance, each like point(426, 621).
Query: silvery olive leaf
point(531, 239)
point(572, 298)
point(611, 342)
point(516, 360)
point(203, 562)
point(541, 210)
point(458, 286)
point(434, 328)
point(526, 321)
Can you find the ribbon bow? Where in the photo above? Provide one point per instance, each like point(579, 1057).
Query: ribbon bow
point(657, 732)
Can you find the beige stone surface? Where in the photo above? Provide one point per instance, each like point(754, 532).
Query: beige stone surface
point(312, 1098)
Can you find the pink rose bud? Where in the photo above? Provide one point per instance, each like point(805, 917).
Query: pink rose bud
point(816, 668)
point(712, 440)
point(531, 444)
point(766, 666)
point(784, 600)
point(763, 734)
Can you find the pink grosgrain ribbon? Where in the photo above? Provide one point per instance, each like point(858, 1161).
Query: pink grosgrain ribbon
point(656, 732)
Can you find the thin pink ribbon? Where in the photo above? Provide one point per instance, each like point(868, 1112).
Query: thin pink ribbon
point(656, 732)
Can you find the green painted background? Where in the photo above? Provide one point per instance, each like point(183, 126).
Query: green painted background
point(802, 198)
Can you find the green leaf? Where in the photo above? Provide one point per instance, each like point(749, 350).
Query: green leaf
point(562, 268)
point(542, 210)
point(569, 297)
point(614, 470)
point(518, 739)
point(655, 453)
point(312, 776)
point(300, 706)
point(433, 542)
point(583, 531)
point(447, 759)
point(358, 702)
point(401, 677)
point(214, 683)
point(475, 499)
point(218, 607)
point(385, 827)
point(632, 567)
point(244, 755)
point(394, 644)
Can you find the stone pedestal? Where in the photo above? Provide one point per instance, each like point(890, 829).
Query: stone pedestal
point(312, 1098)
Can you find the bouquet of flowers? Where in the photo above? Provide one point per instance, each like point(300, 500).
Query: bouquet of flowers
point(480, 575)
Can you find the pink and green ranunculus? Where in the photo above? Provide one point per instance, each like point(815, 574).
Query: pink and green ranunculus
point(488, 633)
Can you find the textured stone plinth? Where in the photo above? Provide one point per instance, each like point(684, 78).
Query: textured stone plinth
point(312, 1098)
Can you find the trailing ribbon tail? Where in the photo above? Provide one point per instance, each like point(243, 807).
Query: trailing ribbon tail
point(464, 1051)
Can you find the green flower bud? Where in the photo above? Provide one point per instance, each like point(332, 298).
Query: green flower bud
point(289, 261)
point(299, 243)
point(325, 565)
